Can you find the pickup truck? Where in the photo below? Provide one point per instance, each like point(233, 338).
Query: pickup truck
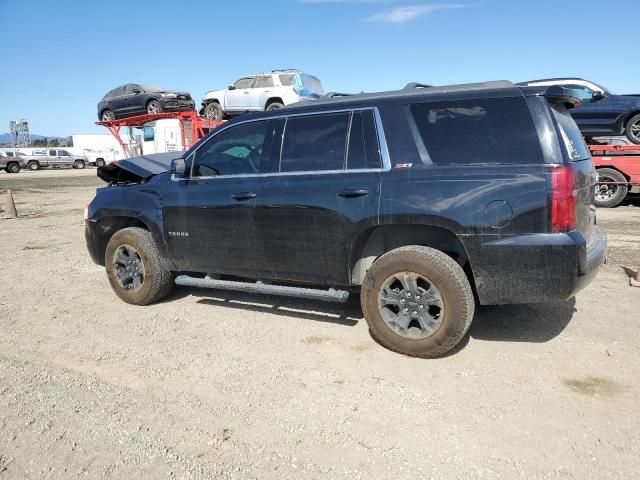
point(54, 157)
point(11, 162)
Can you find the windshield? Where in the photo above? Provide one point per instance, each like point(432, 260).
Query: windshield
point(312, 83)
point(150, 88)
point(307, 86)
point(605, 90)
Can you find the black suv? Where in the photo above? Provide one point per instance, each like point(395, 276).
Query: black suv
point(418, 199)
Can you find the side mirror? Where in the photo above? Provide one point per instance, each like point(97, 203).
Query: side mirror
point(179, 167)
point(597, 96)
point(231, 87)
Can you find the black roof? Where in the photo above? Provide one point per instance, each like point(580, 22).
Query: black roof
point(554, 80)
point(410, 90)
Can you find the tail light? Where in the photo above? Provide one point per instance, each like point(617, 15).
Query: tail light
point(563, 199)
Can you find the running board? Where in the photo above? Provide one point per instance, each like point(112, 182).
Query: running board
point(330, 295)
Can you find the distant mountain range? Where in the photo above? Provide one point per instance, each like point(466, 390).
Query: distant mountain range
point(6, 137)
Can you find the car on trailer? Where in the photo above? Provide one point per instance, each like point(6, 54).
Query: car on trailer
point(602, 111)
point(420, 200)
point(264, 91)
point(139, 98)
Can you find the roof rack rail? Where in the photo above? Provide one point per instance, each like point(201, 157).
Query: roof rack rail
point(336, 94)
point(414, 85)
point(284, 70)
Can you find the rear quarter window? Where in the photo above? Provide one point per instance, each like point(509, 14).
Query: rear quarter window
point(570, 134)
point(484, 131)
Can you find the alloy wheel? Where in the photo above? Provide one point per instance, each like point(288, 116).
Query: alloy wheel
point(411, 305)
point(128, 268)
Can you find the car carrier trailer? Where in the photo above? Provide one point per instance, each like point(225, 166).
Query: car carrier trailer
point(618, 168)
point(191, 128)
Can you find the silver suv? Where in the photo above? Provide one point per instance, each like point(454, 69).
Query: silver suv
point(264, 91)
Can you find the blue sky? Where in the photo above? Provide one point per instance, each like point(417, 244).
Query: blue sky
point(60, 57)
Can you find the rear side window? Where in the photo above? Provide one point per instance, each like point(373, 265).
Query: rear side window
point(315, 142)
point(572, 139)
point(494, 131)
point(364, 151)
point(264, 82)
point(286, 79)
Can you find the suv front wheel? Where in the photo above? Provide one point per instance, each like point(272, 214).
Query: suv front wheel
point(417, 301)
point(213, 111)
point(136, 270)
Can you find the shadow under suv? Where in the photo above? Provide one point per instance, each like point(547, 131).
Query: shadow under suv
point(423, 200)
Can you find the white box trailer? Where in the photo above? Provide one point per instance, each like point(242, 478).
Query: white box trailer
point(102, 149)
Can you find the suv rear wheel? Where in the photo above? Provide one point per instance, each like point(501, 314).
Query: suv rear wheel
point(136, 271)
point(33, 165)
point(79, 164)
point(213, 111)
point(632, 130)
point(417, 301)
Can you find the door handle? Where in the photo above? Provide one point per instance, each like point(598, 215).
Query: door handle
point(243, 196)
point(353, 193)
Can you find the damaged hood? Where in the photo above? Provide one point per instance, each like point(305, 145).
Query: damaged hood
point(137, 169)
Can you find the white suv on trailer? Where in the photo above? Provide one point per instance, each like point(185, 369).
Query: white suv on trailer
point(256, 93)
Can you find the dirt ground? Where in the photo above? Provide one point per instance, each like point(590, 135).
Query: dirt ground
point(227, 385)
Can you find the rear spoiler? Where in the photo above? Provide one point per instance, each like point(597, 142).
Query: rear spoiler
point(568, 97)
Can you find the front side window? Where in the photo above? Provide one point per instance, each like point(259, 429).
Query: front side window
point(234, 151)
point(63, 153)
point(314, 143)
point(486, 131)
point(244, 83)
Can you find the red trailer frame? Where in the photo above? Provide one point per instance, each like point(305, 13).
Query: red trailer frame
point(192, 126)
point(615, 157)
point(622, 164)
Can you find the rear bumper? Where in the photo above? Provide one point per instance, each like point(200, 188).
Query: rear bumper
point(535, 268)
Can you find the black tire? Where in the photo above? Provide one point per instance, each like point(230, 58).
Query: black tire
point(157, 280)
point(100, 162)
point(154, 107)
point(452, 285)
point(107, 116)
point(632, 129)
point(13, 167)
point(213, 111)
point(274, 106)
point(33, 165)
point(609, 196)
point(79, 164)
